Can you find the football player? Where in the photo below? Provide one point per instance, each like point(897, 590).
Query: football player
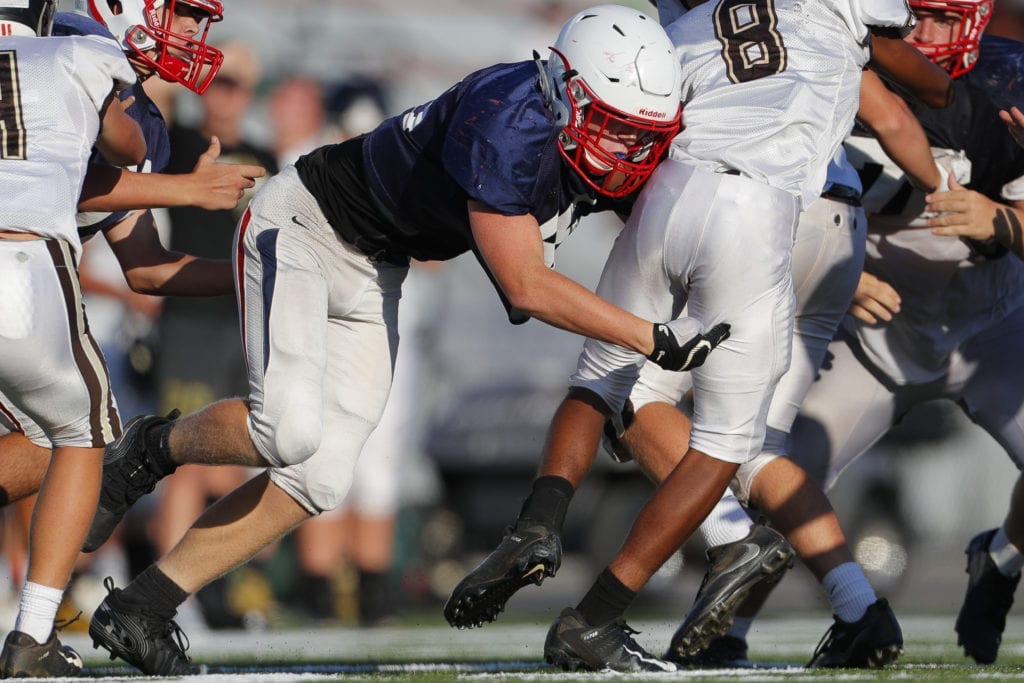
point(502, 163)
point(59, 98)
point(148, 266)
point(937, 316)
point(828, 257)
point(721, 188)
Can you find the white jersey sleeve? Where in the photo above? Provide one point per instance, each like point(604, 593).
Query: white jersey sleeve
point(97, 61)
point(55, 87)
point(789, 88)
point(861, 15)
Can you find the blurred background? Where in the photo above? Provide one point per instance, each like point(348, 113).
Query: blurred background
point(449, 466)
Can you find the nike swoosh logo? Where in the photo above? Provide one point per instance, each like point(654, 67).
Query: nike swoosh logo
point(536, 568)
point(664, 666)
point(750, 553)
point(296, 221)
point(702, 346)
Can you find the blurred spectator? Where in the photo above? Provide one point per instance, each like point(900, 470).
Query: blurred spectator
point(297, 117)
point(355, 107)
point(200, 358)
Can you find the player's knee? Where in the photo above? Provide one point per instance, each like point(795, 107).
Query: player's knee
point(322, 490)
point(296, 436)
point(743, 481)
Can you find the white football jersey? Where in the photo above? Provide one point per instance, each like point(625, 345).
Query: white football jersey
point(51, 92)
point(789, 89)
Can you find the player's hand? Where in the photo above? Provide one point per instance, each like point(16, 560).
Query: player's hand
point(218, 185)
point(961, 212)
point(874, 300)
point(1014, 120)
point(679, 344)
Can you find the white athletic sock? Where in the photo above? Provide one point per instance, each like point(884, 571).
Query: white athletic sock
point(727, 523)
point(37, 610)
point(849, 591)
point(1005, 554)
point(740, 627)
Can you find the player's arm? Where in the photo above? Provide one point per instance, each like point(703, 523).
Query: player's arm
point(1014, 120)
point(150, 268)
point(966, 213)
point(898, 131)
point(211, 185)
point(512, 249)
point(120, 138)
point(904, 64)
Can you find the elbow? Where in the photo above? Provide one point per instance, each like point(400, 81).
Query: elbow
point(129, 156)
point(523, 300)
point(135, 155)
point(940, 97)
point(141, 283)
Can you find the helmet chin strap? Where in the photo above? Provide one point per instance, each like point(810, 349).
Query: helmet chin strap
point(544, 82)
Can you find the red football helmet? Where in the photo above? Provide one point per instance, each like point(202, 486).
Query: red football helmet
point(144, 29)
point(960, 54)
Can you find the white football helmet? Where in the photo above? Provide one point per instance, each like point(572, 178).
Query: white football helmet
point(614, 81)
point(143, 28)
point(27, 17)
point(961, 54)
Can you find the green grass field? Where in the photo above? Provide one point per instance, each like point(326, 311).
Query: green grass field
point(514, 652)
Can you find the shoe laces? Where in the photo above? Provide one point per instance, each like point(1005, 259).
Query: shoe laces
point(164, 627)
point(61, 624)
point(626, 633)
point(826, 641)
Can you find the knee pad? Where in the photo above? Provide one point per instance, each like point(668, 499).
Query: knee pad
point(747, 473)
point(292, 439)
point(316, 488)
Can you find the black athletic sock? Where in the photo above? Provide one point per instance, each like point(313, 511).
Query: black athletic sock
point(158, 448)
point(607, 600)
point(155, 589)
point(548, 502)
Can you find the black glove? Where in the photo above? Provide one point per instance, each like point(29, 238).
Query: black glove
point(672, 353)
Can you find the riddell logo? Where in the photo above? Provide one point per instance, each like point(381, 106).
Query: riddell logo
point(154, 17)
point(650, 112)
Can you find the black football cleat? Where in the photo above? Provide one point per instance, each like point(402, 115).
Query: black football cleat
point(528, 553)
point(152, 643)
point(871, 642)
point(129, 472)
point(724, 652)
point(23, 657)
point(982, 618)
point(734, 569)
point(574, 645)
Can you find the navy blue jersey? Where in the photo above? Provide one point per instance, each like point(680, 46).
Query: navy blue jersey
point(1000, 71)
point(970, 124)
point(158, 146)
point(489, 138)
